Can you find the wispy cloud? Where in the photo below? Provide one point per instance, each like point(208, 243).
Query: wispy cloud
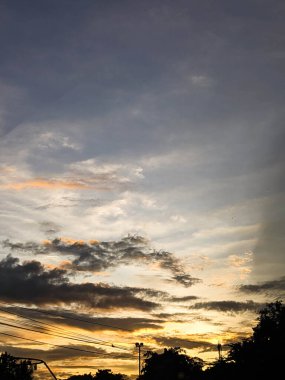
point(228, 306)
point(83, 175)
point(42, 183)
point(53, 140)
point(201, 80)
point(266, 287)
point(72, 351)
point(242, 262)
point(190, 344)
point(70, 318)
point(184, 299)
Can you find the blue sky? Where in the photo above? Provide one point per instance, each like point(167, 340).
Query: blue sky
point(142, 149)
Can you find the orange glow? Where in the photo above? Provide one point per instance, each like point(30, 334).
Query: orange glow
point(46, 242)
point(64, 263)
point(68, 240)
point(7, 169)
point(40, 183)
point(94, 242)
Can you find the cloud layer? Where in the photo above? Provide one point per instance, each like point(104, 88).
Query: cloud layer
point(30, 283)
point(228, 306)
point(98, 256)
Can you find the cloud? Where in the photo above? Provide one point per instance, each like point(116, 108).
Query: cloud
point(185, 279)
point(53, 140)
point(42, 183)
point(82, 175)
point(50, 228)
point(243, 263)
point(98, 256)
point(184, 343)
point(28, 246)
point(267, 287)
point(226, 232)
point(201, 81)
point(67, 352)
point(184, 299)
point(70, 202)
point(240, 260)
point(30, 283)
point(59, 316)
point(228, 306)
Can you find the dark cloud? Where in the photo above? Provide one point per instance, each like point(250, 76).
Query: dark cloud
point(228, 306)
point(186, 279)
point(187, 318)
point(184, 343)
point(202, 318)
point(49, 228)
point(85, 321)
point(29, 246)
point(171, 316)
point(184, 299)
point(131, 324)
point(99, 256)
point(267, 287)
point(68, 352)
point(30, 283)
point(58, 353)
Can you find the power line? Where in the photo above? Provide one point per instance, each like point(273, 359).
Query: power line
point(58, 345)
point(57, 335)
point(47, 333)
point(74, 318)
point(70, 336)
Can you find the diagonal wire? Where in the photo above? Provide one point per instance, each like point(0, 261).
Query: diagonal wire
point(70, 336)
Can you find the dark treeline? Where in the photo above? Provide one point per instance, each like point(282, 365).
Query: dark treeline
point(260, 356)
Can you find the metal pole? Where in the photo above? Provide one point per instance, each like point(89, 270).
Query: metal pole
point(38, 361)
point(220, 350)
point(139, 345)
point(53, 375)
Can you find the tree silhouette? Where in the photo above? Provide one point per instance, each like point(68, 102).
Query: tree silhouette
point(220, 369)
point(81, 377)
point(172, 364)
point(106, 374)
point(259, 356)
point(101, 374)
point(262, 354)
point(12, 369)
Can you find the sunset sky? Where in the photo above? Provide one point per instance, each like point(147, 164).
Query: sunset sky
point(141, 176)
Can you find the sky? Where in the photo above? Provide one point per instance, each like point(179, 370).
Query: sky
point(141, 177)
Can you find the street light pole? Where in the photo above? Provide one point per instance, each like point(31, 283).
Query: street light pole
point(36, 362)
point(139, 345)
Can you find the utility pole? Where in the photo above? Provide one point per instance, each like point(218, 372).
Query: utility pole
point(139, 345)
